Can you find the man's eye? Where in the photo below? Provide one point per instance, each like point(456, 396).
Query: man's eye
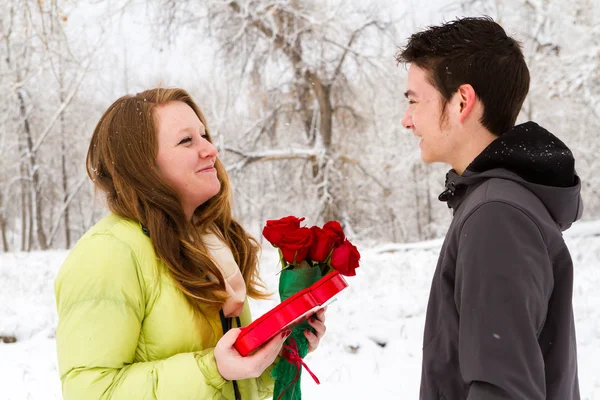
point(412, 102)
point(185, 140)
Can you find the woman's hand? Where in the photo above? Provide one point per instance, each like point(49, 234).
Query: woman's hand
point(232, 366)
point(317, 321)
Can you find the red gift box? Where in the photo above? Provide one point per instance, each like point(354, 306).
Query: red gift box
point(290, 312)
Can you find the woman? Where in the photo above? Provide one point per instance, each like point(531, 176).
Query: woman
point(150, 298)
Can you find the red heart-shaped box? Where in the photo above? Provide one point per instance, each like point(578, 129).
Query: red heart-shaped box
point(289, 312)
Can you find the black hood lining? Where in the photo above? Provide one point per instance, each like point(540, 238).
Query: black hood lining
point(531, 152)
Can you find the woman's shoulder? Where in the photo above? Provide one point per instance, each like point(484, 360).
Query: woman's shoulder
point(120, 233)
point(123, 229)
point(104, 270)
point(113, 247)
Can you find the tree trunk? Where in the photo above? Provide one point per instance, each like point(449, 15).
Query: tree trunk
point(303, 94)
point(429, 230)
point(3, 232)
point(3, 224)
point(323, 94)
point(332, 207)
point(29, 220)
point(415, 173)
point(35, 186)
point(63, 161)
point(65, 197)
point(24, 217)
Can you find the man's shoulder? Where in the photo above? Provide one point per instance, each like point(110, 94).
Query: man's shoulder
point(511, 194)
point(504, 190)
point(507, 192)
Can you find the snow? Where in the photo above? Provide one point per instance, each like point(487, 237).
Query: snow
point(384, 304)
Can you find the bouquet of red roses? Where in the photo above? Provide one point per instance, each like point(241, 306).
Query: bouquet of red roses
point(306, 255)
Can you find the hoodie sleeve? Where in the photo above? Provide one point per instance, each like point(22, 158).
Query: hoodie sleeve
point(503, 285)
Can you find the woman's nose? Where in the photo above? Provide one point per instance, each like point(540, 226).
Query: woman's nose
point(207, 149)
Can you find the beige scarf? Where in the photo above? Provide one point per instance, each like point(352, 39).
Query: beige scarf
point(234, 282)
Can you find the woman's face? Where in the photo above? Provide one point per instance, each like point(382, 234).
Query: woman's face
point(185, 157)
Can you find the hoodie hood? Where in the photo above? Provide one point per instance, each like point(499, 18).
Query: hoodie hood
point(533, 157)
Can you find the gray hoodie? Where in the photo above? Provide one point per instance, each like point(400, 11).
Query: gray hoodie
point(499, 321)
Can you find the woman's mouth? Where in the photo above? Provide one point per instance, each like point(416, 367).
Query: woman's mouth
point(207, 169)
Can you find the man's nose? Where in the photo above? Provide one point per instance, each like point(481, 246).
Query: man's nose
point(407, 120)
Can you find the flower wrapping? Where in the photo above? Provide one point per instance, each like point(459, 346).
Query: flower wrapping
point(306, 255)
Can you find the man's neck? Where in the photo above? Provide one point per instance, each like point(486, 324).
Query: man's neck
point(478, 140)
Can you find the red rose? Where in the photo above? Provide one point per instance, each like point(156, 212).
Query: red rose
point(345, 258)
point(275, 228)
point(335, 230)
point(294, 245)
point(322, 243)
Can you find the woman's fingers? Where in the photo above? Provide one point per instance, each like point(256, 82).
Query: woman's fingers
point(229, 361)
point(313, 340)
point(229, 338)
point(232, 366)
point(321, 314)
point(275, 344)
point(267, 354)
point(319, 327)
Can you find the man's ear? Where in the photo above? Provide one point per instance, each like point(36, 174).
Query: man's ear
point(467, 98)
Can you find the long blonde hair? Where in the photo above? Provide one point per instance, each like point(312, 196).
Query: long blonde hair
point(121, 161)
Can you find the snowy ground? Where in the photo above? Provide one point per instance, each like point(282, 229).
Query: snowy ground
point(385, 303)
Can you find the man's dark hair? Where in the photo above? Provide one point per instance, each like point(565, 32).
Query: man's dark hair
point(478, 52)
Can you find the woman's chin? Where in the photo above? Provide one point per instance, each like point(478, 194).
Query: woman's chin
point(209, 194)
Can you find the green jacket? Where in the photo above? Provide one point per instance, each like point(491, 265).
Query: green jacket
point(125, 331)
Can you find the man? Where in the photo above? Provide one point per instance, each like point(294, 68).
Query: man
point(499, 321)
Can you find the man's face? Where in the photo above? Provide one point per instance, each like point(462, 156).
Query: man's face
point(424, 117)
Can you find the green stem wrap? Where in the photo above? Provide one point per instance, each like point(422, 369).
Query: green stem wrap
point(291, 281)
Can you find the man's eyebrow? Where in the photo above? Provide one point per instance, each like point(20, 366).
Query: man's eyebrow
point(409, 93)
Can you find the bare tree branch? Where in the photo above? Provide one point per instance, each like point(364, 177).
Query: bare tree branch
point(60, 110)
point(364, 170)
point(353, 36)
point(269, 155)
point(63, 209)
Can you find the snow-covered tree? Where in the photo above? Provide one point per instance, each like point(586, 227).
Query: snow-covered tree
point(40, 78)
point(303, 98)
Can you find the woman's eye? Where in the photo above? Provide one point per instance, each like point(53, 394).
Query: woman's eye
point(412, 102)
point(185, 140)
point(205, 136)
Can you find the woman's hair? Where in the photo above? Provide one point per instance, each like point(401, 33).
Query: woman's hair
point(121, 161)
